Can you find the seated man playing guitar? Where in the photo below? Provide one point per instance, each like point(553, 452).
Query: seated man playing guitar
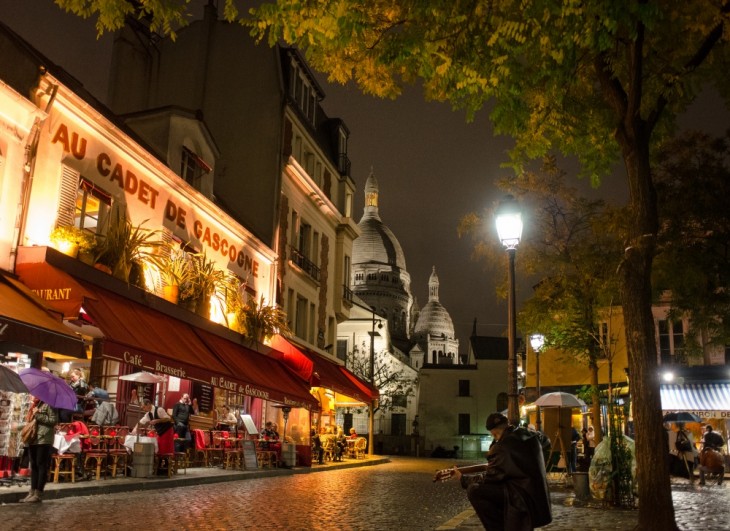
point(510, 491)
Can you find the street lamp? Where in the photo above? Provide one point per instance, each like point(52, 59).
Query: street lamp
point(509, 228)
point(536, 342)
point(371, 406)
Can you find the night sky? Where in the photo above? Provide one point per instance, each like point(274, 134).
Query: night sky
point(432, 166)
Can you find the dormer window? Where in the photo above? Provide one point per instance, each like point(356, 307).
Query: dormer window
point(303, 93)
point(193, 168)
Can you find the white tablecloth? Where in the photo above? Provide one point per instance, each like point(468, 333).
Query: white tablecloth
point(63, 446)
point(129, 441)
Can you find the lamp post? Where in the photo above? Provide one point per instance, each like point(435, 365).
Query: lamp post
point(536, 342)
point(371, 405)
point(509, 228)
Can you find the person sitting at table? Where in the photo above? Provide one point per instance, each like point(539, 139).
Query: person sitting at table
point(317, 450)
point(157, 418)
point(226, 419)
point(353, 434)
point(79, 429)
point(270, 433)
point(340, 444)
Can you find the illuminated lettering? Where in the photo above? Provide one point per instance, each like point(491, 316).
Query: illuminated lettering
point(77, 144)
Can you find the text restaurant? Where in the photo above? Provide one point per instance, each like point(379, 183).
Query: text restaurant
point(153, 281)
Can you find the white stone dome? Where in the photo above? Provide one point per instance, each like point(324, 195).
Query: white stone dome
point(434, 319)
point(376, 244)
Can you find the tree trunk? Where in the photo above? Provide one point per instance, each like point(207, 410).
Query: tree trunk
point(656, 510)
point(596, 405)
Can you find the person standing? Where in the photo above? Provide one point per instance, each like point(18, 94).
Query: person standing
point(684, 450)
point(40, 449)
point(510, 491)
point(181, 414)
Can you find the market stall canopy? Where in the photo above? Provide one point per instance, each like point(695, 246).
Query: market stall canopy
point(28, 324)
point(711, 399)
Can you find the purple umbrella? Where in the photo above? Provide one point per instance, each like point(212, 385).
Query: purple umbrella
point(53, 390)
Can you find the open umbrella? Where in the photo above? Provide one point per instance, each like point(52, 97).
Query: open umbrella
point(45, 386)
point(143, 377)
point(10, 381)
point(681, 416)
point(559, 399)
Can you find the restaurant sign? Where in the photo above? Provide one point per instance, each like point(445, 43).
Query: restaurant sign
point(146, 361)
point(147, 194)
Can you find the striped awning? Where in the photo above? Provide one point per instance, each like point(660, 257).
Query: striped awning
point(696, 397)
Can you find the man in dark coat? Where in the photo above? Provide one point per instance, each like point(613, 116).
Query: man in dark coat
point(511, 490)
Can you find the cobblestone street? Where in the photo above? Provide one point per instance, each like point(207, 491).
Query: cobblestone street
point(393, 496)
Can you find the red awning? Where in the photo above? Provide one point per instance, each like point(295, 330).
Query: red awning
point(149, 339)
point(59, 289)
point(27, 324)
point(326, 373)
point(264, 377)
point(292, 357)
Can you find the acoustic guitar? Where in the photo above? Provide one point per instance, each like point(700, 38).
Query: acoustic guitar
point(446, 474)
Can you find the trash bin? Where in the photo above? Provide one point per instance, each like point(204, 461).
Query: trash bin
point(581, 486)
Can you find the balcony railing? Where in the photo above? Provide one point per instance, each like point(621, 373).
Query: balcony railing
point(304, 263)
point(346, 293)
point(343, 164)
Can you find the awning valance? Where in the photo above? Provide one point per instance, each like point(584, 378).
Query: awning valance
point(27, 324)
point(151, 340)
point(697, 397)
point(56, 287)
point(265, 377)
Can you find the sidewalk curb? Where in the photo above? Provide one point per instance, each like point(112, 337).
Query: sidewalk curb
point(193, 477)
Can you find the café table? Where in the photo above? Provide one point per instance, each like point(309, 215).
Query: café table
point(130, 440)
point(62, 445)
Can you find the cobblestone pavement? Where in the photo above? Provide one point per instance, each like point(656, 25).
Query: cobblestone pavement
point(399, 495)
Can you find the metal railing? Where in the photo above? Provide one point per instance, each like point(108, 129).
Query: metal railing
point(304, 263)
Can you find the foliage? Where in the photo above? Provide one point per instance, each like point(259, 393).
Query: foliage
point(590, 78)
point(84, 239)
point(391, 383)
point(259, 321)
point(126, 247)
point(693, 259)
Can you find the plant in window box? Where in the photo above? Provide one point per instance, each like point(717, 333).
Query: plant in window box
point(126, 247)
point(207, 280)
point(176, 272)
point(68, 239)
point(259, 321)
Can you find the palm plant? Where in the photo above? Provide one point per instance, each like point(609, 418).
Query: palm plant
point(206, 280)
point(125, 247)
point(259, 321)
point(176, 272)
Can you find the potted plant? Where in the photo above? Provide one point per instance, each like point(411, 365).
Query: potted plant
point(125, 248)
point(206, 280)
point(72, 240)
point(176, 272)
point(259, 321)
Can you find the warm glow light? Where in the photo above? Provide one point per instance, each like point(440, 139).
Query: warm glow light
point(537, 341)
point(217, 304)
point(668, 376)
point(65, 367)
point(508, 219)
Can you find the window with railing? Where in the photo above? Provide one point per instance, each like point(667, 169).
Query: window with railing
point(346, 293)
point(304, 263)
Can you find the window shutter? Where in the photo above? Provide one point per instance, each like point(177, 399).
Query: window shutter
point(69, 192)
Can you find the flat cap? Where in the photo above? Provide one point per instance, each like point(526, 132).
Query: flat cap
point(494, 420)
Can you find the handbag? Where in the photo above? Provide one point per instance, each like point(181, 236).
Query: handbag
point(29, 432)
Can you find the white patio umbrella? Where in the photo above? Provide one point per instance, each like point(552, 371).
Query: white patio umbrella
point(559, 399)
point(143, 377)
